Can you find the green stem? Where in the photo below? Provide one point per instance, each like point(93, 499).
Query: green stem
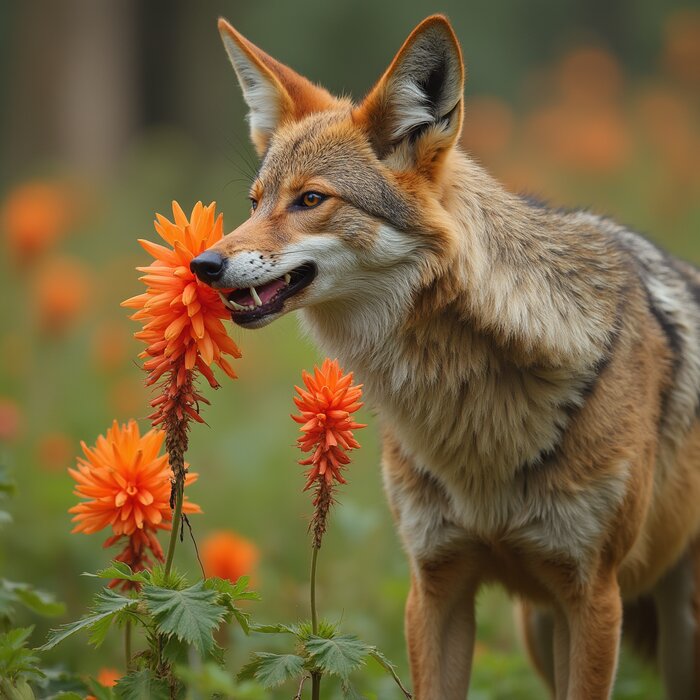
point(127, 646)
point(177, 516)
point(315, 675)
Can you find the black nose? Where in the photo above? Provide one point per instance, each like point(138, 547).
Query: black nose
point(208, 266)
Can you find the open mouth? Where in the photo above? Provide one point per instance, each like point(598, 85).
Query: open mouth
point(251, 304)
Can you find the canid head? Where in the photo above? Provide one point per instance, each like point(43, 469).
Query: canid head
point(346, 207)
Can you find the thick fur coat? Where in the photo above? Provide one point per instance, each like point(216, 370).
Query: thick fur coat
point(536, 372)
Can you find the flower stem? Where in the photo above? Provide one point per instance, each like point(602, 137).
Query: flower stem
point(315, 675)
point(127, 646)
point(177, 516)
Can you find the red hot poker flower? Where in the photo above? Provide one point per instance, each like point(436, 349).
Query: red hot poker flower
point(326, 407)
point(182, 317)
point(126, 487)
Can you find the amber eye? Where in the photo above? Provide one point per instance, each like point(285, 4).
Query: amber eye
point(311, 199)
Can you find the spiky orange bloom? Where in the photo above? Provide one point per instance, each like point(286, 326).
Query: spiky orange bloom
point(126, 483)
point(181, 315)
point(326, 407)
point(228, 555)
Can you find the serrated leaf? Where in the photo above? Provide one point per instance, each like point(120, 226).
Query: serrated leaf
point(237, 591)
point(120, 570)
point(271, 670)
point(339, 656)
point(17, 662)
point(191, 614)
point(107, 605)
point(142, 685)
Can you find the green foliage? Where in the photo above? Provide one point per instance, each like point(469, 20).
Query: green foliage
point(16, 661)
point(39, 602)
point(326, 653)
point(142, 685)
point(212, 680)
point(107, 606)
point(271, 670)
point(122, 572)
point(191, 614)
point(339, 656)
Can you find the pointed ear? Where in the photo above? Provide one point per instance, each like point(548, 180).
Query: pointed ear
point(417, 104)
point(273, 92)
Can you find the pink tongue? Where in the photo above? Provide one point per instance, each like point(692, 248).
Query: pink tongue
point(267, 291)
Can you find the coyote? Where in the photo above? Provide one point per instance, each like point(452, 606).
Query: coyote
point(536, 373)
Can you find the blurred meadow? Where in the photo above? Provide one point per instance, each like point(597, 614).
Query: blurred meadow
point(110, 110)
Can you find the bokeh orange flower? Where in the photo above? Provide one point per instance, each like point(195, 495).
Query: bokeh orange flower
point(182, 317)
point(227, 555)
point(34, 216)
point(326, 406)
point(10, 420)
point(126, 483)
point(61, 293)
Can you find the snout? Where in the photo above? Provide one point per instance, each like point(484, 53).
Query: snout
point(208, 266)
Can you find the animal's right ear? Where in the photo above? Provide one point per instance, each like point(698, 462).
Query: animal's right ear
point(415, 110)
point(273, 92)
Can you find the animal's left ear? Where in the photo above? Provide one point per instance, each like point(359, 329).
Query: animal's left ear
point(415, 110)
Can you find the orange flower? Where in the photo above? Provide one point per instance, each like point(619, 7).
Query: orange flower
point(34, 216)
point(228, 555)
point(62, 292)
point(10, 420)
point(54, 450)
point(327, 427)
point(126, 483)
point(108, 677)
point(182, 317)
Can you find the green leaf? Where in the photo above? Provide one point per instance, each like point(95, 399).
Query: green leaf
point(338, 655)
point(40, 602)
point(191, 614)
point(37, 601)
point(16, 661)
point(68, 695)
point(121, 571)
point(271, 670)
point(107, 605)
point(142, 685)
point(237, 591)
point(242, 617)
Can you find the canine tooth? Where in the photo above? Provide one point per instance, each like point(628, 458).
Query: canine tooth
point(255, 296)
point(287, 278)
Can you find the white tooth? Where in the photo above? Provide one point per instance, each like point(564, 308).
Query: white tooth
point(287, 278)
point(230, 304)
point(255, 296)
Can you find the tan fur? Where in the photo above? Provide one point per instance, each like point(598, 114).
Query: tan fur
point(536, 373)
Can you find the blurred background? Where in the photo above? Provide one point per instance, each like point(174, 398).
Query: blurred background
point(110, 110)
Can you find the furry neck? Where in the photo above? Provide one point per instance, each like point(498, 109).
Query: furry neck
point(505, 325)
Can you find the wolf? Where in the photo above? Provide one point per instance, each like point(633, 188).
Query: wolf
point(536, 372)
